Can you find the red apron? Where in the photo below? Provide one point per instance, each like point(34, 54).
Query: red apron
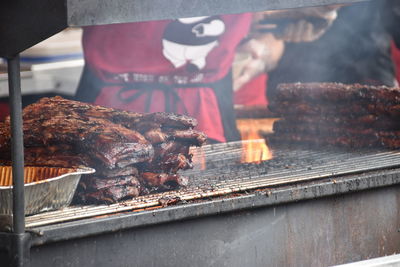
point(4, 111)
point(185, 55)
point(253, 93)
point(396, 60)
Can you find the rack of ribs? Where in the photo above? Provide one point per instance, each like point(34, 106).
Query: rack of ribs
point(351, 115)
point(133, 153)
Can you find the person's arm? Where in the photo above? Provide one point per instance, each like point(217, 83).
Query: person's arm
point(269, 32)
point(391, 19)
point(258, 55)
point(299, 25)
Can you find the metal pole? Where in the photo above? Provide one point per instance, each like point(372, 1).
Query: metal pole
point(17, 157)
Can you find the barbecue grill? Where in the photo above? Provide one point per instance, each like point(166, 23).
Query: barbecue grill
point(303, 207)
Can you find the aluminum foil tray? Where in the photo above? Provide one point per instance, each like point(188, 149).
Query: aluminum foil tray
point(45, 188)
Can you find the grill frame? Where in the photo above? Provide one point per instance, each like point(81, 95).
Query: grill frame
point(331, 230)
point(325, 165)
point(269, 197)
point(232, 194)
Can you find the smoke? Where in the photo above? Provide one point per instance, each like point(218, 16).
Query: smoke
point(355, 49)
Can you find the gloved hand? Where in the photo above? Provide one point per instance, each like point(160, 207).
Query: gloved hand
point(258, 55)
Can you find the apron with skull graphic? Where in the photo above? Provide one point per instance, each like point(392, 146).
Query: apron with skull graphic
point(180, 66)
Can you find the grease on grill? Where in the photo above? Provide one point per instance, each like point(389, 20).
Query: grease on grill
point(169, 200)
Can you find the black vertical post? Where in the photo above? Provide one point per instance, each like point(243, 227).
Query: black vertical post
point(17, 156)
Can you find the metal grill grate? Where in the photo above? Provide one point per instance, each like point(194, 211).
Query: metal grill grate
point(224, 175)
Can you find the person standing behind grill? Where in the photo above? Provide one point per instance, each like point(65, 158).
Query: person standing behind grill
point(356, 49)
point(181, 66)
point(266, 44)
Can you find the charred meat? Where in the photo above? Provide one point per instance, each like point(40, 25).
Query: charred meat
point(350, 115)
point(133, 153)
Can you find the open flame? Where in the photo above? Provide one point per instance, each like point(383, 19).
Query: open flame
point(254, 147)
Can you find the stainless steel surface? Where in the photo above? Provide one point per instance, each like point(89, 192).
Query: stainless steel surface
point(60, 77)
point(23, 25)
point(93, 12)
point(387, 261)
point(49, 194)
point(339, 223)
point(222, 181)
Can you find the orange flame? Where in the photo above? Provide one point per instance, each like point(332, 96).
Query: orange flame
point(254, 146)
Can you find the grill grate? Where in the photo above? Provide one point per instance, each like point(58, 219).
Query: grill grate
point(224, 175)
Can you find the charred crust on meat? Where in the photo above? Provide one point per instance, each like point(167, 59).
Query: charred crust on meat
point(335, 114)
point(133, 153)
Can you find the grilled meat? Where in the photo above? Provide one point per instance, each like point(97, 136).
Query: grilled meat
point(51, 156)
point(95, 183)
point(171, 147)
point(118, 172)
point(156, 136)
point(170, 120)
point(337, 114)
point(337, 93)
point(163, 179)
point(356, 109)
point(5, 137)
point(130, 151)
point(190, 136)
point(294, 108)
point(169, 163)
point(393, 143)
point(109, 143)
point(57, 105)
point(65, 159)
point(361, 122)
point(107, 195)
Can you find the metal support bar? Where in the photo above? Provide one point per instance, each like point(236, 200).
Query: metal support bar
point(9, 242)
point(17, 157)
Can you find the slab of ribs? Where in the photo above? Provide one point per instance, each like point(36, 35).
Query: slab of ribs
point(133, 153)
point(335, 114)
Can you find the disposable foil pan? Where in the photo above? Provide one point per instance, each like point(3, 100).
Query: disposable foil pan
point(45, 189)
